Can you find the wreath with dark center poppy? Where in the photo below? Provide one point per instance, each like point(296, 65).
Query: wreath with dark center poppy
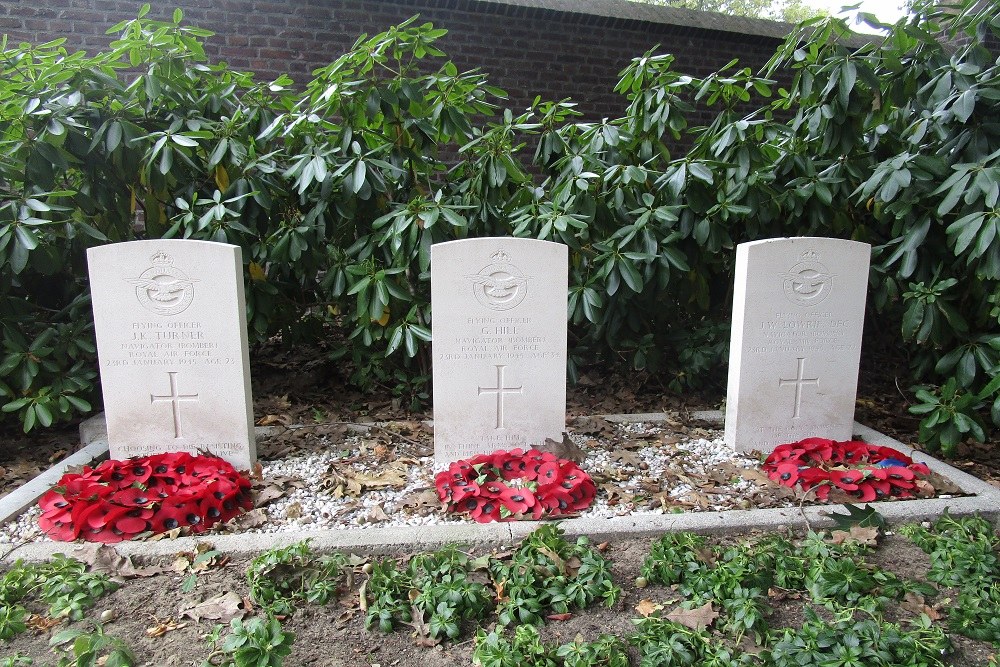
point(867, 472)
point(506, 486)
point(118, 500)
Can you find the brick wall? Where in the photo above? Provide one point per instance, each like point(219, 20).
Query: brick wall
point(552, 48)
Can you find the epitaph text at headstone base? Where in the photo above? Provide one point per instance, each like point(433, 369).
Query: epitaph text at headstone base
point(499, 345)
point(170, 319)
point(798, 318)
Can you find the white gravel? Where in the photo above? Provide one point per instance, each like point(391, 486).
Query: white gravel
point(663, 464)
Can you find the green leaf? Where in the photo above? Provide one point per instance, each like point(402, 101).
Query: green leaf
point(700, 171)
point(863, 517)
point(964, 105)
point(27, 238)
point(44, 414)
point(360, 170)
point(954, 194)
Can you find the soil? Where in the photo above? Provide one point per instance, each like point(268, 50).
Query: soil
point(292, 387)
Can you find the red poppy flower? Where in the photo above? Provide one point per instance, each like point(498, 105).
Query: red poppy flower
point(549, 473)
point(492, 489)
point(56, 529)
point(460, 492)
point(517, 501)
point(169, 518)
point(134, 521)
point(54, 501)
point(488, 509)
point(134, 497)
point(846, 479)
point(866, 491)
point(786, 474)
point(556, 501)
point(898, 473)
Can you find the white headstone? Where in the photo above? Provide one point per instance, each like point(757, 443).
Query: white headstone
point(499, 345)
point(798, 316)
point(170, 318)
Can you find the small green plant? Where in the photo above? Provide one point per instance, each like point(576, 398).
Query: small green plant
point(664, 643)
point(977, 614)
point(17, 660)
point(963, 553)
point(259, 642)
point(280, 578)
point(90, 649)
point(63, 584)
point(12, 618)
point(547, 573)
point(69, 589)
point(435, 593)
point(859, 638)
point(526, 649)
point(952, 413)
point(605, 651)
point(962, 550)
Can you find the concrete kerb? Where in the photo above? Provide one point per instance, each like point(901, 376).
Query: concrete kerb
point(984, 500)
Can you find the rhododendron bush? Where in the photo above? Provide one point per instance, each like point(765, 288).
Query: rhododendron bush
point(866, 471)
point(118, 500)
point(505, 486)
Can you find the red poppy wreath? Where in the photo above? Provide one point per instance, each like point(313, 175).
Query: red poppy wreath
point(868, 472)
point(118, 500)
point(505, 486)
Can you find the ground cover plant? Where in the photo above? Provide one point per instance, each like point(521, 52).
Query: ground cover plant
point(336, 188)
point(843, 597)
point(61, 586)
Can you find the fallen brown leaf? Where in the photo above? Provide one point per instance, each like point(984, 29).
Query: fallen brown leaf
point(421, 498)
point(867, 536)
point(162, 627)
point(696, 619)
point(39, 623)
point(915, 603)
point(222, 608)
point(647, 607)
point(293, 510)
point(104, 558)
point(625, 457)
point(271, 420)
point(567, 449)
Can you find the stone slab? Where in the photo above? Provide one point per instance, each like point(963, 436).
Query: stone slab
point(498, 345)
point(985, 501)
point(170, 318)
point(795, 348)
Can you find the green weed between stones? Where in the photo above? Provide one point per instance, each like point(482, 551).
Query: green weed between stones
point(63, 584)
